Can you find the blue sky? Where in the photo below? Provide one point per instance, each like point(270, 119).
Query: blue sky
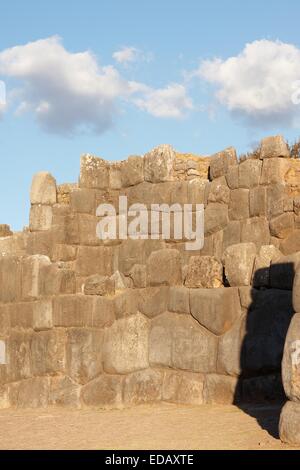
point(148, 75)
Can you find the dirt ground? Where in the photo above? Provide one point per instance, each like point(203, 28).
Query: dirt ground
point(154, 427)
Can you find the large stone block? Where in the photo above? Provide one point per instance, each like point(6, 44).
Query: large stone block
point(99, 285)
point(218, 191)
point(158, 164)
point(183, 387)
point(73, 310)
point(103, 312)
point(132, 252)
point(63, 391)
point(94, 260)
point(274, 146)
point(103, 392)
point(291, 360)
point(55, 279)
point(164, 267)
point(19, 355)
point(84, 354)
point(40, 217)
point(278, 200)
point(30, 393)
point(126, 303)
point(274, 170)
point(10, 278)
point(132, 171)
point(178, 341)
point(289, 424)
point(282, 271)
point(179, 299)
point(125, 346)
point(138, 274)
point(31, 272)
point(261, 274)
point(215, 218)
point(5, 231)
point(221, 161)
point(291, 244)
point(230, 348)
point(239, 204)
point(42, 318)
point(231, 234)
point(258, 201)
point(43, 189)
point(64, 252)
point(204, 272)
point(47, 350)
point(215, 309)
point(115, 181)
point(94, 172)
point(255, 230)
point(144, 386)
point(239, 261)
point(40, 243)
point(232, 177)
point(249, 173)
point(282, 225)
point(220, 389)
point(153, 301)
point(83, 200)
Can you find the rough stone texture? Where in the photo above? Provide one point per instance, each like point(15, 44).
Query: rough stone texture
point(215, 309)
point(274, 147)
point(215, 217)
point(291, 360)
point(239, 262)
point(219, 191)
point(255, 230)
point(249, 173)
point(266, 255)
point(220, 162)
point(158, 164)
point(183, 387)
point(164, 268)
point(239, 204)
point(43, 189)
point(204, 271)
point(40, 217)
point(220, 389)
point(144, 386)
point(99, 285)
point(282, 225)
point(94, 172)
point(132, 171)
point(104, 391)
point(289, 425)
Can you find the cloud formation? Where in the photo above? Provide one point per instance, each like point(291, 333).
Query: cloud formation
point(126, 55)
point(257, 84)
point(69, 92)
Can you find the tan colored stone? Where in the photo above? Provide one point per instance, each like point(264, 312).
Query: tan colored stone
point(215, 309)
point(138, 274)
point(99, 285)
point(291, 244)
point(179, 300)
point(220, 389)
point(164, 268)
point(158, 164)
point(266, 255)
point(215, 218)
point(231, 234)
point(255, 230)
point(83, 200)
point(94, 260)
point(258, 201)
point(289, 424)
point(221, 161)
point(64, 392)
point(31, 272)
point(291, 360)
point(230, 348)
point(249, 173)
point(239, 261)
point(93, 172)
point(239, 204)
point(153, 300)
point(219, 191)
point(42, 315)
point(183, 387)
point(274, 170)
point(282, 225)
point(30, 393)
point(274, 146)
point(10, 278)
point(115, 181)
point(47, 349)
point(204, 272)
point(125, 346)
point(72, 310)
point(5, 230)
point(103, 392)
point(232, 177)
point(43, 189)
point(132, 171)
point(144, 386)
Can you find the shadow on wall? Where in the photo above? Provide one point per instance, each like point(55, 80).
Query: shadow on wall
point(266, 322)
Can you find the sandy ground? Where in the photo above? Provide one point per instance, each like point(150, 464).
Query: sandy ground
point(154, 427)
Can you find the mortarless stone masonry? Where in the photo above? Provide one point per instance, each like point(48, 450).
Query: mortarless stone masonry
point(92, 323)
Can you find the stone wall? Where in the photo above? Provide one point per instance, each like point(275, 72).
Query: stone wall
point(92, 323)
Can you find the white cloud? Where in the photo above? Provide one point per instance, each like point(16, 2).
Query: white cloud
point(257, 84)
point(126, 55)
point(69, 92)
point(169, 102)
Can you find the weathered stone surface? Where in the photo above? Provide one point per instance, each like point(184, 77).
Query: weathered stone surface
point(153, 300)
point(84, 354)
point(261, 273)
point(179, 299)
point(31, 272)
point(63, 192)
point(158, 164)
point(10, 278)
point(5, 230)
point(258, 201)
point(72, 310)
point(249, 173)
point(274, 170)
point(196, 190)
point(133, 252)
point(291, 244)
point(30, 393)
point(94, 172)
point(138, 274)
point(215, 309)
point(126, 303)
point(231, 234)
point(47, 350)
point(103, 392)
point(239, 204)
point(64, 392)
point(215, 217)
point(125, 346)
point(230, 348)
point(289, 424)
point(83, 200)
point(164, 267)
point(278, 200)
point(221, 161)
point(132, 171)
point(183, 387)
point(220, 389)
point(282, 225)
point(43, 189)
point(103, 312)
point(282, 271)
point(119, 281)
point(219, 191)
point(99, 285)
point(205, 272)
point(255, 230)
point(213, 245)
point(56, 279)
point(42, 315)
point(274, 146)
point(232, 177)
point(63, 252)
point(94, 260)
point(178, 341)
point(144, 386)
point(291, 360)
point(239, 261)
